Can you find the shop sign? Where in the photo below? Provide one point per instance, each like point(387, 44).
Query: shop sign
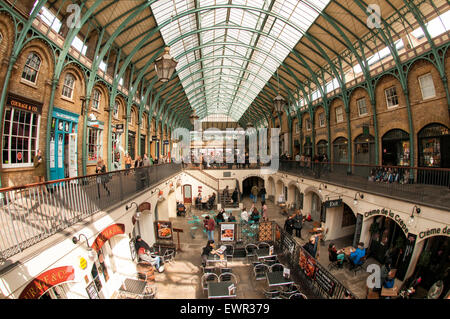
point(333, 203)
point(154, 138)
point(45, 281)
point(389, 213)
point(435, 231)
point(83, 263)
point(166, 141)
point(24, 104)
point(119, 128)
point(106, 234)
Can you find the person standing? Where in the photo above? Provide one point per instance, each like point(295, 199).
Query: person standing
point(39, 167)
point(138, 162)
point(298, 223)
point(263, 193)
point(288, 225)
point(255, 192)
point(264, 211)
point(102, 179)
point(127, 161)
point(210, 225)
point(235, 197)
point(145, 161)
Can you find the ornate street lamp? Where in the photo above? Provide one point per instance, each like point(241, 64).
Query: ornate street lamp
point(165, 66)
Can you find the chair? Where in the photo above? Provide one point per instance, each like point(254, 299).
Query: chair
point(360, 266)
point(225, 269)
point(277, 267)
point(250, 250)
point(272, 293)
point(228, 276)
point(229, 252)
point(168, 256)
point(260, 271)
point(286, 294)
point(208, 269)
point(298, 295)
point(262, 245)
point(207, 278)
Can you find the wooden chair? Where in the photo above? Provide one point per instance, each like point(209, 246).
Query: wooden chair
point(360, 267)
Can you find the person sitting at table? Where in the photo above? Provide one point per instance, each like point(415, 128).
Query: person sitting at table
point(255, 215)
point(355, 256)
point(244, 215)
point(211, 200)
point(311, 246)
point(181, 209)
point(146, 253)
point(219, 217)
point(231, 218)
point(208, 249)
point(385, 269)
point(335, 255)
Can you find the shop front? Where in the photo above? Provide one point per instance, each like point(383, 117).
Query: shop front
point(63, 144)
point(132, 144)
point(434, 152)
point(116, 147)
point(322, 147)
point(364, 153)
point(396, 148)
point(390, 239)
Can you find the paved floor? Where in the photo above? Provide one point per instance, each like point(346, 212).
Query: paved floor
point(181, 279)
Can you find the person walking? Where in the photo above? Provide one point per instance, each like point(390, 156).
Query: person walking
point(298, 223)
point(263, 193)
point(209, 226)
point(255, 192)
point(102, 179)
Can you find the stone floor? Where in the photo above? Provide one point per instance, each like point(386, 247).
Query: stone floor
point(181, 279)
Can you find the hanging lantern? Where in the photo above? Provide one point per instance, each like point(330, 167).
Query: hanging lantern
point(278, 104)
point(165, 66)
point(193, 118)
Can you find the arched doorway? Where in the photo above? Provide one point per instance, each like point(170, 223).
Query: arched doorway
point(364, 153)
point(340, 150)
point(322, 147)
point(396, 148)
point(433, 265)
point(295, 197)
point(434, 146)
point(249, 182)
point(313, 206)
point(271, 189)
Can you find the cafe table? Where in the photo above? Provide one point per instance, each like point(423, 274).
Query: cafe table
point(214, 258)
point(219, 290)
point(389, 292)
point(276, 278)
point(348, 250)
point(133, 286)
point(263, 253)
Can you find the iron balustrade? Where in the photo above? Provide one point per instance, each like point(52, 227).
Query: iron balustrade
point(32, 213)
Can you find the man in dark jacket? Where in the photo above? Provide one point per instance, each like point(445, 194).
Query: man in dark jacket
point(289, 225)
point(235, 197)
point(298, 224)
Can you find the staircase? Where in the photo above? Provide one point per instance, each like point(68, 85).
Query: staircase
point(204, 178)
point(226, 201)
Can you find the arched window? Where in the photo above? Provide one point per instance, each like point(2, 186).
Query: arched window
point(69, 83)
point(96, 99)
point(31, 68)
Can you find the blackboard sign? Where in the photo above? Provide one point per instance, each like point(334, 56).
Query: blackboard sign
point(333, 203)
point(357, 237)
point(324, 281)
point(91, 290)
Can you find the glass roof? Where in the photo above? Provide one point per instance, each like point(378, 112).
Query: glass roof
point(224, 67)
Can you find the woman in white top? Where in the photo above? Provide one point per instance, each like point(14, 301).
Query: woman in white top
point(244, 215)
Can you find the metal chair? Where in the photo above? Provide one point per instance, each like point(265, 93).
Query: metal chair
point(298, 295)
point(225, 269)
point(168, 256)
point(272, 293)
point(228, 276)
point(229, 252)
point(260, 271)
point(289, 291)
point(207, 278)
point(208, 269)
point(250, 250)
point(277, 267)
point(263, 244)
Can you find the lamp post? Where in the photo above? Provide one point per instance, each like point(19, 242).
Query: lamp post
point(165, 66)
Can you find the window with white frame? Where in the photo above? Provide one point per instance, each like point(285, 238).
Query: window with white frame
point(339, 114)
point(362, 107)
point(427, 86)
point(96, 99)
point(116, 110)
point(69, 83)
point(391, 96)
point(297, 130)
point(308, 124)
point(130, 118)
point(31, 68)
point(322, 119)
point(94, 143)
point(20, 137)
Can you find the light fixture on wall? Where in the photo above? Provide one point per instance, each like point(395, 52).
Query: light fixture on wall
point(138, 213)
point(91, 252)
point(320, 187)
point(414, 210)
point(355, 200)
point(160, 194)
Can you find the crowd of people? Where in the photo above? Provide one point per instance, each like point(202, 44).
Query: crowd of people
point(389, 175)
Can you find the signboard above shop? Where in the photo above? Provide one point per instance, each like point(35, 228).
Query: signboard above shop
point(333, 203)
point(24, 104)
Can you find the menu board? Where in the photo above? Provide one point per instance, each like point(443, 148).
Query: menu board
point(163, 230)
point(227, 232)
point(307, 263)
point(325, 281)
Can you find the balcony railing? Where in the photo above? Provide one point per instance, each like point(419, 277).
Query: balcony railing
point(428, 186)
point(32, 213)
